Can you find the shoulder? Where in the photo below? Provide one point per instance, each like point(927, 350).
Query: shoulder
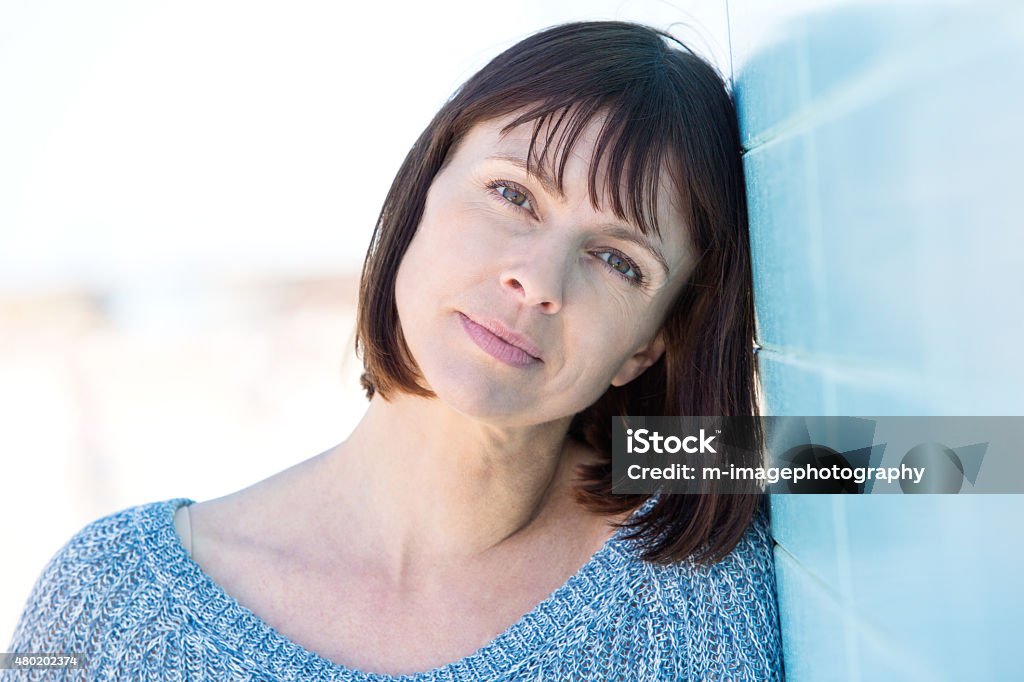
point(183, 526)
point(723, 616)
point(93, 581)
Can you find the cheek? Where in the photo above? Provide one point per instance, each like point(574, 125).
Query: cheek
point(602, 343)
point(452, 252)
point(468, 253)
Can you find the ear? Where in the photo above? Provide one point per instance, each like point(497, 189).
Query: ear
point(640, 360)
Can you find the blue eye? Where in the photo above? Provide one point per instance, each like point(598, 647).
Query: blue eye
point(622, 266)
point(511, 193)
point(514, 196)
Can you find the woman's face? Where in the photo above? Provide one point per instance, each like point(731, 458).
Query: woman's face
point(521, 306)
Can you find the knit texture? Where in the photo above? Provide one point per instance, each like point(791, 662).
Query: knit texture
point(125, 593)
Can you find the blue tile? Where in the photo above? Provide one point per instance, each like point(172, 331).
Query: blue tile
point(830, 257)
point(888, 269)
point(790, 389)
point(940, 577)
point(924, 266)
point(882, 239)
point(908, 609)
point(787, 61)
point(769, 88)
point(825, 639)
point(813, 626)
point(876, 392)
point(882, 660)
point(804, 525)
point(786, 252)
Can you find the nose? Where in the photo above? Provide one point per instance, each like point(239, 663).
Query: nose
point(538, 278)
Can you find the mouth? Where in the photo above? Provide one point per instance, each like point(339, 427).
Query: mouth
point(500, 342)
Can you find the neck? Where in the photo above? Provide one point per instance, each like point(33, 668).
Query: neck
point(424, 485)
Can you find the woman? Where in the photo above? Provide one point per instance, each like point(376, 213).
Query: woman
point(565, 242)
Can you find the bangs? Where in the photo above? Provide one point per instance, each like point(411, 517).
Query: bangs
point(633, 151)
point(651, 101)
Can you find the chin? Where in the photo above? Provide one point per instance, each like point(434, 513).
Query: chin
point(499, 403)
point(470, 394)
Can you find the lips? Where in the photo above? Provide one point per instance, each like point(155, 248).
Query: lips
point(500, 342)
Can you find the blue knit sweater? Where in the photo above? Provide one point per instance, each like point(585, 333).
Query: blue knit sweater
point(125, 593)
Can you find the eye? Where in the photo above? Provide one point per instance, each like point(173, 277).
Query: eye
point(622, 265)
point(514, 196)
point(511, 193)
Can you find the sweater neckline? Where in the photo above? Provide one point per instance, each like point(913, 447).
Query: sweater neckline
point(221, 616)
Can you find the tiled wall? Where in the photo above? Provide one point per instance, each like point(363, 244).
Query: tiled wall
point(883, 143)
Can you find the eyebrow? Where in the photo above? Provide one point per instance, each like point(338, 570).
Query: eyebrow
point(536, 171)
point(640, 240)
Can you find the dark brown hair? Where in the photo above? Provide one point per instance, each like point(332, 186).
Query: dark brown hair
point(667, 111)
